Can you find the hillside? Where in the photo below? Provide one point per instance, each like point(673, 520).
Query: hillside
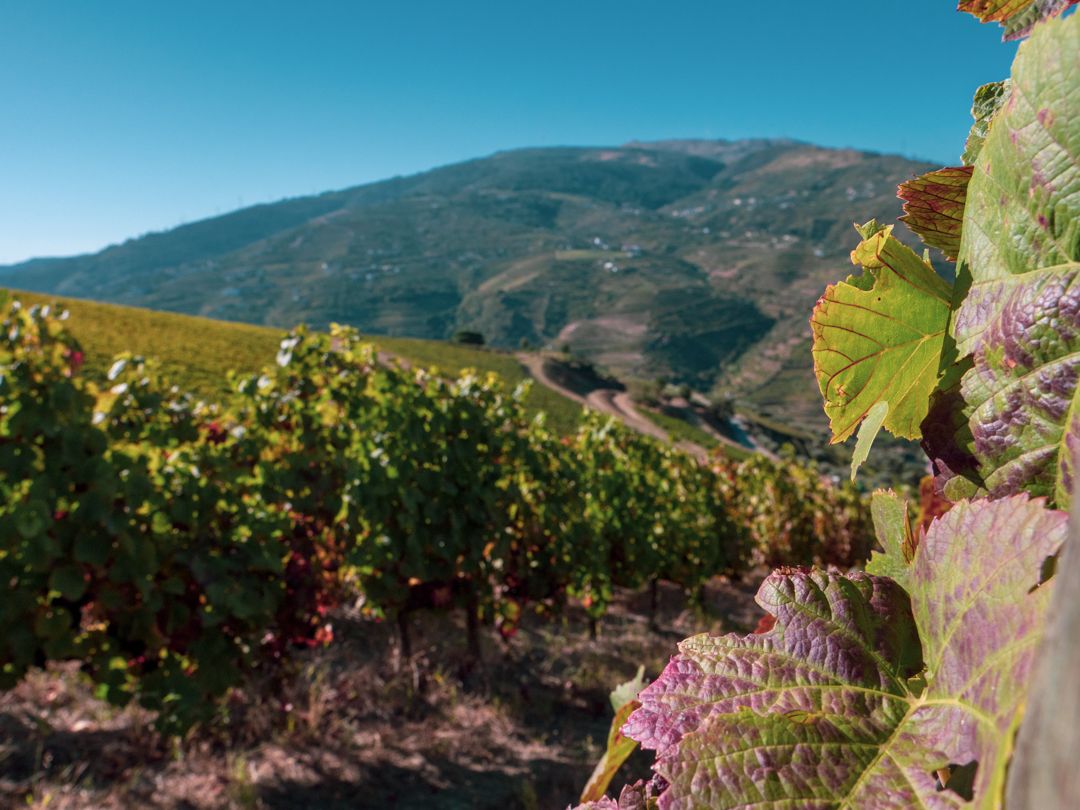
point(697, 261)
point(196, 353)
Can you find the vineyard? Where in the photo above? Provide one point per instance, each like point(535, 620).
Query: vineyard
point(197, 353)
point(182, 541)
point(178, 550)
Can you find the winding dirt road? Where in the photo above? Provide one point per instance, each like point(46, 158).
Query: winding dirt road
point(620, 405)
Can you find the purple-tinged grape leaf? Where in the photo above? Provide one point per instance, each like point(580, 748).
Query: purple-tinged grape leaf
point(833, 707)
point(603, 803)
point(1020, 395)
point(979, 600)
point(639, 796)
point(1020, 321)
point(934, 207)
point(880, 337)
point(1043, 772)
point(1017, 17)
point(988, 99)
point(892, 526)
point(796, 716)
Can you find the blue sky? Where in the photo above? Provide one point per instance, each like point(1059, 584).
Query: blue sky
point(118, 118)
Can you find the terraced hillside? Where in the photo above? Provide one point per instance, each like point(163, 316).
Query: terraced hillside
point(696, 261)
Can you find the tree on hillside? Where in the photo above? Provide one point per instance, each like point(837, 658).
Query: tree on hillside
point(468, 338)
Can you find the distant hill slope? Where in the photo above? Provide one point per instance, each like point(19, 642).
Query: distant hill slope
point(698, 261)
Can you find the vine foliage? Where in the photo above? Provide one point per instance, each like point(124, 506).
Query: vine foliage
point(180, 550)
point(904, 685)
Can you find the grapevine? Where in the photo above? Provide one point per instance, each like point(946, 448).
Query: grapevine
point(904, 685)
point(180, 549)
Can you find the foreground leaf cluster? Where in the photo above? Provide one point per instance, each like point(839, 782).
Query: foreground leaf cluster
point(904, 686)
point(861, 692)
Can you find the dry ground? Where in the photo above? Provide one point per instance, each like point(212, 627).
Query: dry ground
point(359, 728)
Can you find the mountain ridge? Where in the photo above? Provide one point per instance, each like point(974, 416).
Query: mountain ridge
point(692, 260)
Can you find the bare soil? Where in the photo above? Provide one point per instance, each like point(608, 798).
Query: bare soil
point(358, 727)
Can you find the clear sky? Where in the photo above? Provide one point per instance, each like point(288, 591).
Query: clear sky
point(119, 117)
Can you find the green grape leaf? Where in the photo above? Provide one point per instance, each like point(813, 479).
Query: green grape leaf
point(880, 337)
point(868, 431)
point(934, 207)
point(619, 748)
point(31, 519)
point(628, 691)
point(1017, 17)
point(988, 99)
point(834, 708)
point(69, 581)
point(1023, 202)
point(160, 523)
point(1020, 321)
point(892, 526)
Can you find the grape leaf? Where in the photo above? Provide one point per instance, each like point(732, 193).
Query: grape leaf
point(892, 526)
point(828, 709)
point(603, 803)
point(868, 431)
point(619, 746)
point(934, 207)
point(1043, 769)
point(638, 796)
point(880, 337)
point(31, 519)
point(628, 690)
point(988, 99)
point(69, 581)
point(980, 605)
point(1020, 321)
point(1023, 202)
point(1020, 396)
point(1017, 17)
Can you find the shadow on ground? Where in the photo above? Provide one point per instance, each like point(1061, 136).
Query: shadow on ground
point(359, 727)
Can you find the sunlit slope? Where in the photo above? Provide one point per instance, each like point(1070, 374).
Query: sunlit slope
point(197, 352)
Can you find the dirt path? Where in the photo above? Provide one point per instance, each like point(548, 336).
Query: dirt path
point(534, 364)
point(604, 400)
point(618, 403)
point(609, 401)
